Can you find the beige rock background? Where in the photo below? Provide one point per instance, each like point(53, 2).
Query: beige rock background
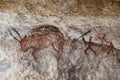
point(73, 18)
point(63, 7)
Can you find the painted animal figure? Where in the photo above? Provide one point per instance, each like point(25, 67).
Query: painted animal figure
point(42, 37)
point(109, 47)
point(89, 45)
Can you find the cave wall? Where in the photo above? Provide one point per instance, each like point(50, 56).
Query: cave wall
point(63, 7)
point(73, 18)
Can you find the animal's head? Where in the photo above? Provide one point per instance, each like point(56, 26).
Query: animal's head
point(23, 42)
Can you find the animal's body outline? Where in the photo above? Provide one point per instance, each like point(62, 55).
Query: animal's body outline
point(42, 37)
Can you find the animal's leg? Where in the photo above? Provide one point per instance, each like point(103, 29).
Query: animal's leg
point(60, 55)
point(86, 44)
point(61, 45)
point(110, 49)
point(53, 45)
point(57, 50)
point(86, 51)
point(104, 48)
point(93, 51)
point(91, 44)
point(35, 57)
point(84, 40)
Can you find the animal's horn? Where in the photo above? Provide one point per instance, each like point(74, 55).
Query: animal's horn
point(17, 33)
point(84, 34)
point(13, 35)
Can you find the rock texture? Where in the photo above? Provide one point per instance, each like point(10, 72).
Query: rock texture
point(68, 16)
point(74, 64)
point(63, 7)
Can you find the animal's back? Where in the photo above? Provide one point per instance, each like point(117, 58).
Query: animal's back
point(46, 29)
point(44, 36)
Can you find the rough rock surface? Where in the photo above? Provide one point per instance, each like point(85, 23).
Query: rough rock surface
point(73, 18)
point(74, 64)
point(63, 7)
